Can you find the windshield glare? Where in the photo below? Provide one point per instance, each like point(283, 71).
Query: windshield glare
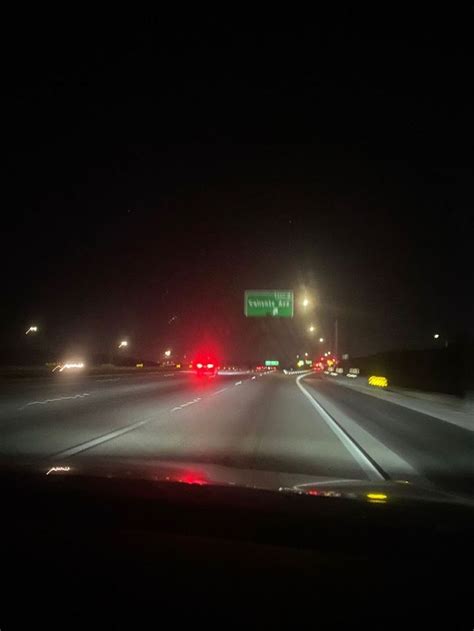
point(241, 260)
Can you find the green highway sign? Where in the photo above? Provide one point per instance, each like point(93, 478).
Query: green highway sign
point(277, 303)
point(272, 362)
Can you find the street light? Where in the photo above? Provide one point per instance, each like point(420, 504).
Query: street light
point(306, 354)
point(32, 329)
point(436, 336)
point(321, 339)
point(123, 343)
point(312, 329)
point(305, 302)
point(168, 353)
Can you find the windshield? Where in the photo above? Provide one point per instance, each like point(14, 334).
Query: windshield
point(246, 254)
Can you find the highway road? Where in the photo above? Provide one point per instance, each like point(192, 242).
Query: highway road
point(293, 424)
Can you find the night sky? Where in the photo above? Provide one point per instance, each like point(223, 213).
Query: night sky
point(153, 174)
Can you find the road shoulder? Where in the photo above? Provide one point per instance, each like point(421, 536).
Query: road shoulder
point(462, 416)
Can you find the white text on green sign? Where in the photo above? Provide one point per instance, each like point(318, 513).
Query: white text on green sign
point(273, 303)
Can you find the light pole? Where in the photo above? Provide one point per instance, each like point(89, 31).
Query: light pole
point(120, 345)
point(321, 340)
point(437, 337)
point(32, 329)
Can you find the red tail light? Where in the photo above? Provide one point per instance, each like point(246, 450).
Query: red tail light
point(199, 365)
point(210, 365)
point(192, 478)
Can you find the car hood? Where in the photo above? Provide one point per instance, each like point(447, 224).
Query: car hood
point(212, 475)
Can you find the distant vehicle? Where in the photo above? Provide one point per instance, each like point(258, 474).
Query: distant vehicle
point(206, 367)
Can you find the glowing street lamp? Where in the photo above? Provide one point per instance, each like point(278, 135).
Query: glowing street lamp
point(123, 344)
point(436, 336)
point(312, 329)
point(321, 340)
point(32, 329)
point(168, 353)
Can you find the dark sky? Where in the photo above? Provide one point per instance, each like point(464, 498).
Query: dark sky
point(153, 172)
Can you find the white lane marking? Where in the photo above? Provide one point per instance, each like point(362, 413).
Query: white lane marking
point(352, 447)
point(238, 383)
point(169, 374)
point(101, 439)
point(115, 434)
point(111, 379)
point(76, 396)
point(253, 377)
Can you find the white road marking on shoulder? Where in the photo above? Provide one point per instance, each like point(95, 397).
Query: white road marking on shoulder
point(238, 383)
point(352, 447)
point(76, 396)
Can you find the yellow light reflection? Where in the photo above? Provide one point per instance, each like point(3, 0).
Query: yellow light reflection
point(377, 497)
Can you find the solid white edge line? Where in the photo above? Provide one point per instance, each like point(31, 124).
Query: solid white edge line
point(352, 447)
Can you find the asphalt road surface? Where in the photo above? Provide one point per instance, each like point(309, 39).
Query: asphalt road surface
point(273, 422)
